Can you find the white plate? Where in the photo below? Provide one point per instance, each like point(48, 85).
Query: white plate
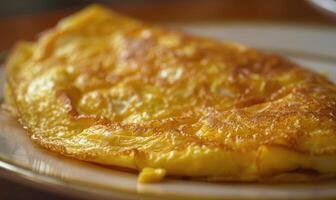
point(311, 46)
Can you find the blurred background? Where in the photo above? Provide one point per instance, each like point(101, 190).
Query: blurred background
point(23, 20)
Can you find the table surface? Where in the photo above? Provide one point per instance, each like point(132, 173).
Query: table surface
point(28, 27)
point(12, 191)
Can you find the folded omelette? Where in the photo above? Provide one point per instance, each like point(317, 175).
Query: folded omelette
point(104, 88)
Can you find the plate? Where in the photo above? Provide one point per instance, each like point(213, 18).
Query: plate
point(311, 46)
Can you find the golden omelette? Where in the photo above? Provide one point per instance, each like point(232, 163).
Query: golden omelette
point(105, 88)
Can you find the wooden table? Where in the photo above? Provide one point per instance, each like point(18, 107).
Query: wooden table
point(10, 191)
point(28, 27)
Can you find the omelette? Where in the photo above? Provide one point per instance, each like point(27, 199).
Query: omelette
point(104, 88)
